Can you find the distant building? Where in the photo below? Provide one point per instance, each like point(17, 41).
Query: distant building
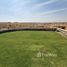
point(16, 25)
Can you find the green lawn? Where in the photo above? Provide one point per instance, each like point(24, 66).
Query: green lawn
point(33, 49)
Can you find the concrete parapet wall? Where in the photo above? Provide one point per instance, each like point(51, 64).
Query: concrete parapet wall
point(62, 31)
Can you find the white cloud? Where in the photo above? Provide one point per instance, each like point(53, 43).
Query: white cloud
point(44, 3)
point(52, 11)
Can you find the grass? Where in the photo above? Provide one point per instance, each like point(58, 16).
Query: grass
point(33, 49)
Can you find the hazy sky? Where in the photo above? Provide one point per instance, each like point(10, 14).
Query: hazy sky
point(33, 10)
